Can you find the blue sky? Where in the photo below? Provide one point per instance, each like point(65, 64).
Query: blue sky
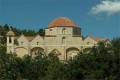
point(95, 17)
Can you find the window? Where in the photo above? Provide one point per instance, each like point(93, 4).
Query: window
point(64, 31)
point(10, 40)
point(50, 31)
point(63, 40)
point(37, 43)
point(76, 31)
point(87, 43)
point(21, 43)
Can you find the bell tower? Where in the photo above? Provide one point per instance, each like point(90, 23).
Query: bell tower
point(10, 41)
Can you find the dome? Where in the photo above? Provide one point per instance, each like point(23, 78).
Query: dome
point(62, 22)
point(10, 33)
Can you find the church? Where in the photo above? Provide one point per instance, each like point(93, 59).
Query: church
point(62, 37)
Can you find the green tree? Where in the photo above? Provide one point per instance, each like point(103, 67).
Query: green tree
point(6, 27)
point(10, 66)
point(101, 63)
point(41, 32)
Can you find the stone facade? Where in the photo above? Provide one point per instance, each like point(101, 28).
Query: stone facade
point(62, 37)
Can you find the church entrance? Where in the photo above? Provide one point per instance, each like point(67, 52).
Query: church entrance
point(36, 50)
point(71, 52)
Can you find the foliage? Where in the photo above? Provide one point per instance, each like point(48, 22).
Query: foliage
point(41, 32)
point(102, 62)
point(5, 28)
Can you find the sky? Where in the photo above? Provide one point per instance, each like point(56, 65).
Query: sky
point(97, 18)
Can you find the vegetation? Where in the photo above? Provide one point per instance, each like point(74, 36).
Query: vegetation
point(101, 62)
point(5, 28)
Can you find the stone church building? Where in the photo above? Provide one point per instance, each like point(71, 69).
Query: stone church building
point(62, 37)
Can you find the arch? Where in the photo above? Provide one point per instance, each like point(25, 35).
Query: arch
point(20, 51)
point(10, 39)
point(71, 52)
point(50, 31)
point(64, 40)
point(56, 52)
point(86, 50)
point(64, 31)
point(20, 47)
point(36, 50)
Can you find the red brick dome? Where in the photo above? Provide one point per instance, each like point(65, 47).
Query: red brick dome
point(62, 22)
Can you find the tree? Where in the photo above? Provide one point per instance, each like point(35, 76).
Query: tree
point(56, 71)
point(101, 62)
point(6, 27)
point(10, 66)
point(41, 32)
point(3, 40)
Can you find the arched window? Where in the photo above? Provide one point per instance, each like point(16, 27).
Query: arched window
point(10, 39)
point(63, 40)
point(64, 31)
point(50, 31)
point(21, 43)
point(87, 43)
point(37, 43)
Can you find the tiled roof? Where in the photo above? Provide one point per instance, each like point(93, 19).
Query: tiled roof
point(98, 39)
point(15, 38)
point(29, 38)
point(62, 22)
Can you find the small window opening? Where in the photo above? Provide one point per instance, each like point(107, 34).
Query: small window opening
point(50, 31)
point(87, 43)
point(21, 43)
point(63, 40)
point(64, 30)
point(10, 40)
point(37, 43)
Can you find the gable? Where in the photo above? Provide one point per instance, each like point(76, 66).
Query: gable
point(56, 52)
point(89, 41)
point(38, 40)
point(22, 40)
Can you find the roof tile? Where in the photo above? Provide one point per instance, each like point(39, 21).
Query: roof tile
point(62, 22)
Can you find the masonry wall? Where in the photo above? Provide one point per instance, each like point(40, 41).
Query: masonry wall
point(88, 41)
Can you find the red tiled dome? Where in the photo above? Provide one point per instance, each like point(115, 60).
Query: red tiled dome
point(62, 22)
